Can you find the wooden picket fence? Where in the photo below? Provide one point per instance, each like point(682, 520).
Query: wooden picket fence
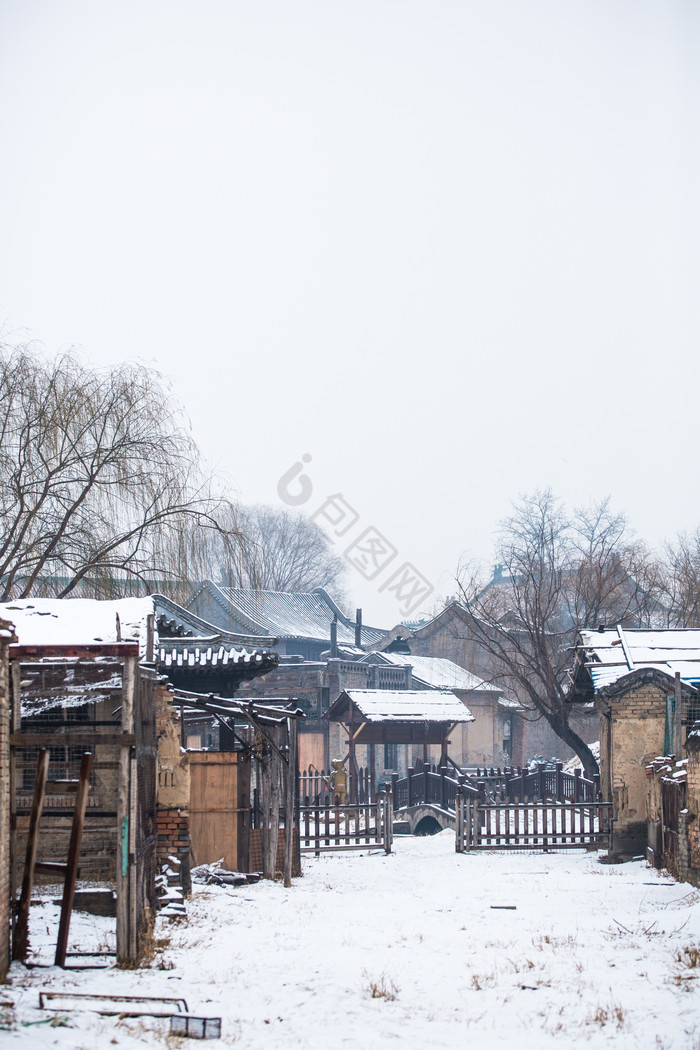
point(317, 784)
point(533, 825)
point(325, 826)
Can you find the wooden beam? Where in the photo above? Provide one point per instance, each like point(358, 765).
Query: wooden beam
point(71, 876)
point(20, 944)
point(25, 739)
point(125, 935)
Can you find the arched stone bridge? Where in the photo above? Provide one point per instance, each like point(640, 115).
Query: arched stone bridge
point(425, 819)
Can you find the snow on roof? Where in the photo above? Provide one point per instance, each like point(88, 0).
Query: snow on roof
point(409, 705)
point(293, 614)
point(439, 672)
point(613, 654)
point(78, 621)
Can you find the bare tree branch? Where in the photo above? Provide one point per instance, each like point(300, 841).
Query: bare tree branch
point(561, 571)
point(100, 483)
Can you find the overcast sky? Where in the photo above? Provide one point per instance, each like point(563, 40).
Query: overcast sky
point(449, 250)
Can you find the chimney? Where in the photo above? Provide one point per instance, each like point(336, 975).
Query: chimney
point(358, 628)
point(334, 638)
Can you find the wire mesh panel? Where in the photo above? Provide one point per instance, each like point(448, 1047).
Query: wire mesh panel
point(70, 707)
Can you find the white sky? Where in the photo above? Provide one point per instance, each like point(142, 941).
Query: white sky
point(448, 249)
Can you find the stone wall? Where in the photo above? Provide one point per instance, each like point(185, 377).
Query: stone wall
point(6, 636)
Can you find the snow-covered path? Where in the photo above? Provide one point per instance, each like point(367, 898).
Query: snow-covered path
point(424, 948)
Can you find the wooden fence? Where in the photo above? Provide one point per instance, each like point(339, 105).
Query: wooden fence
point(534, 825)
point(317, 784)
point(331, 826)
point(673, 800)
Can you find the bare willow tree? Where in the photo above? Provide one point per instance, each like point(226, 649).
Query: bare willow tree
point(562, 571)
point(101, 486)
point(285, 551)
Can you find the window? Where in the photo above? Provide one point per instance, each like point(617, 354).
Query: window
point(391, 756)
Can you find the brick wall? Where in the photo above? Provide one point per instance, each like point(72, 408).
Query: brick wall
point(173, 834)
point(5, 637)
point(173, 789)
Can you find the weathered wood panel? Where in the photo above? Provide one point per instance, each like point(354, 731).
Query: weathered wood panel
point(312, 750)
point(214, 811)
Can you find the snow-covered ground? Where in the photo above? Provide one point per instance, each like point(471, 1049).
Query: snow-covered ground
point(423, 948)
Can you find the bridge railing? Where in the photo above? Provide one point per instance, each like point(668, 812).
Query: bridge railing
point(528, 785)
point(429, 786)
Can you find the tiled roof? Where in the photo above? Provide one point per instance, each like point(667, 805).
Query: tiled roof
point(173, 619)
point(189, 656)
point(291, 614)
point(408, 705)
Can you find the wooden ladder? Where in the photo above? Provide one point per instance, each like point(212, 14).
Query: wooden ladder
point(67, 871)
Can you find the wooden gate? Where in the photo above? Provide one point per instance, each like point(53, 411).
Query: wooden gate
point(673, 800)
point(349, 826)
point(219, 807)
point(536, 825)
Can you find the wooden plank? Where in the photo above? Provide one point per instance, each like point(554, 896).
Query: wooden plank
point(15, 723)
point(73, 857)
point(71, 653)
point(126, 934)
point(290, 793)
point(61, 787)
point(219, 804)
point(51, 867)
point(20, 945)
point(39, 739)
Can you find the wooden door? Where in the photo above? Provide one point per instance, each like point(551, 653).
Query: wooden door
point(219, 808)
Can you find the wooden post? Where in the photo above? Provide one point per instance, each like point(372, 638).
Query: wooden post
point(290, 799)
point(126, 932)
point(15, 726)
point(459, 820)
point(71, 875)
point(353, 770)
point(388, 809)
point(243, 811)
point(560, 781)
point(410, 785)
point(677, 716)
point(150, 637)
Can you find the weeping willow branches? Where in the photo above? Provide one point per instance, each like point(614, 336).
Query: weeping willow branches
point(101, 486)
